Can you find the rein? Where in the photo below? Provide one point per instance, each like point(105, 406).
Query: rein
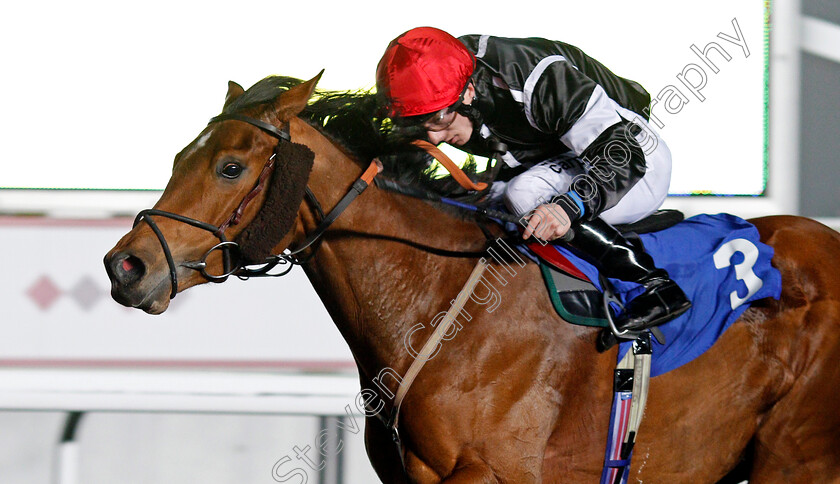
point(231, 250)
point(232, 259)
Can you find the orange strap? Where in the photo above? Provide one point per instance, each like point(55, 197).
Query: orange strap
point(371, 171)
point(457, 173)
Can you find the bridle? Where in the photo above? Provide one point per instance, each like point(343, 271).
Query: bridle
point(232, 260)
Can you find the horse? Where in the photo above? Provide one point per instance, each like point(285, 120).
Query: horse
point(517, 395)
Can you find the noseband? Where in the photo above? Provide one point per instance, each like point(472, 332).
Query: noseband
point(232, 259)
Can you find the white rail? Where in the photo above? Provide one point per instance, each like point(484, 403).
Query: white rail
point(177, 391)
point(78, 391)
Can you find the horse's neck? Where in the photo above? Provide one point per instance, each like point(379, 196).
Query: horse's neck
point(375, 272)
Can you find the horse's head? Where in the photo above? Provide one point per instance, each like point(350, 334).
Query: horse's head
point(219, 183)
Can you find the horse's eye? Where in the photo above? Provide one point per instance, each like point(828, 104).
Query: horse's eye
point(231, 170)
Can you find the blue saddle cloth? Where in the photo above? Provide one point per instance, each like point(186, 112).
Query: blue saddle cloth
point(720, 263)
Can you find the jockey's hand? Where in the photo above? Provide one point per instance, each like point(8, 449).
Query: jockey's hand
point(547, 222)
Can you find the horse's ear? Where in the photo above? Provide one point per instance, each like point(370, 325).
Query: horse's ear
point(292, 102)
point(234, 91)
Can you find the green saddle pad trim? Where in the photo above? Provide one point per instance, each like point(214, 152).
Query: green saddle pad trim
point(557, 301)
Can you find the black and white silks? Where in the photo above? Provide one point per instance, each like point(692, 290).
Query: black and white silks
point(546, 99)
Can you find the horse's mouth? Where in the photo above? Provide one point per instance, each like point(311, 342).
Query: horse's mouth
point(154, 305)
point(155, 301)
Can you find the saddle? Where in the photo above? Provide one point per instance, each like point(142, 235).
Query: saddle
point(574, 296)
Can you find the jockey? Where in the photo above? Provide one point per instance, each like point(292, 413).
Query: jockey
point(576, 149)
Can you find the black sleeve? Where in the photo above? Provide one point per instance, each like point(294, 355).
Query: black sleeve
point(567, 102)
point(615, 163)
point(559, 97)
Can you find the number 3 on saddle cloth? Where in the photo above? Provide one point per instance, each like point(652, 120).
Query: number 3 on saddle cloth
point(718, 260)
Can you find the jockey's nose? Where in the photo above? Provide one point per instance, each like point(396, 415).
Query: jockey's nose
point(436, 137)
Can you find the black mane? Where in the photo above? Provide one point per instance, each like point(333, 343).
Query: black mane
point(348, 117)
point(353, 120)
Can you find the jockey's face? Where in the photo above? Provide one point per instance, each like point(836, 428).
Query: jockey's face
point(451, 127)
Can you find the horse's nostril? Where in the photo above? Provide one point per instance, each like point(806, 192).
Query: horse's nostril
point(128, 265)
point(128, 268)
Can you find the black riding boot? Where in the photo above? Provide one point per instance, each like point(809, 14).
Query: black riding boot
point(618, 258)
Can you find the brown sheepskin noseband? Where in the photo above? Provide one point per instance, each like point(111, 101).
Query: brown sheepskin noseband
point(293, 165)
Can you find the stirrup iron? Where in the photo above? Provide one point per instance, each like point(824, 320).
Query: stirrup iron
point(610, 297)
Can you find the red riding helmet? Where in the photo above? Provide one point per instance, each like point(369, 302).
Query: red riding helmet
point(423, 71)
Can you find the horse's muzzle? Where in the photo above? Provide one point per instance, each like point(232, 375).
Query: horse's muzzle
point(128, 285)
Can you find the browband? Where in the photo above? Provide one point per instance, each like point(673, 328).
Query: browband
point(267, 127)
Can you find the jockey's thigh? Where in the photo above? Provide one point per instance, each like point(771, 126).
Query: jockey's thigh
point(545, 180)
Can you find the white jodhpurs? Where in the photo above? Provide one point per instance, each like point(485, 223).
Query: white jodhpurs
point(545, 180)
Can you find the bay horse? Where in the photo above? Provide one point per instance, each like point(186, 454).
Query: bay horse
point(518, 395)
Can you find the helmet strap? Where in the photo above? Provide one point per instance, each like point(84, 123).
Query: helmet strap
point(467, 110)
point(470, 112)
